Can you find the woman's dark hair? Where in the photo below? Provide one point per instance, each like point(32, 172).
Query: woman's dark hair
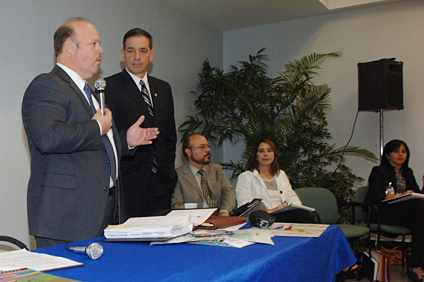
point(392, 146)
point(253, 163)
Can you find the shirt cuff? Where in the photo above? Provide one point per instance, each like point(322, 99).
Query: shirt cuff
point(100, 127)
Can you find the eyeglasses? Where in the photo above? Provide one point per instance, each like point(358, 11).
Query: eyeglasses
point(202, 147)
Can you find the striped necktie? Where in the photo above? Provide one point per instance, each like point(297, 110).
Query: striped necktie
point(146, 98)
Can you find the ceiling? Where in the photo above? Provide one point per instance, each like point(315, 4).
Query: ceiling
point(226, 15)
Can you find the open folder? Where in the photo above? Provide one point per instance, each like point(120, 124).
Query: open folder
point(293, 207)
point(402, 198)
point(247, 207)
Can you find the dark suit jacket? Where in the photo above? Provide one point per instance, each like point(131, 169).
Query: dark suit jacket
point(379, 179)
point(69, 183)
point(127, 105)
point(188, 190)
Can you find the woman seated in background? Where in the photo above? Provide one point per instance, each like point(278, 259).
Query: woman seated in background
point(394, 169)
point(264, 179)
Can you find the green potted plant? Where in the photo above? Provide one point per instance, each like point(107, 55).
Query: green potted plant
point(244, 105)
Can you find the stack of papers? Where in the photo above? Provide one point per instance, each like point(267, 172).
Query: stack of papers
point(238, 238)
point(155, 227)
point(41, 262)
point(174, 224)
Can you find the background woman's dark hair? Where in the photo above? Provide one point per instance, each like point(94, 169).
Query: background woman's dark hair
point(392, 146)
point(254, 164)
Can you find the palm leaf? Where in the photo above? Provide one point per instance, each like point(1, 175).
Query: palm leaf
point(244, 105)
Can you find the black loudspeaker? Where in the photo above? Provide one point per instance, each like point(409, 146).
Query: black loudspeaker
point(380, 85)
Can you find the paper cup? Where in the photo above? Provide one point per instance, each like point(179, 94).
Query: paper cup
point(190, 205)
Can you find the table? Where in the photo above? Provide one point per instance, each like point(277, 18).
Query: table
point(290, 259)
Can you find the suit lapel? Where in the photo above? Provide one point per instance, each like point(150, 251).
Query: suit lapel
point(133, 91)
point(77, 92)
point(131, 88)
point(191, 179)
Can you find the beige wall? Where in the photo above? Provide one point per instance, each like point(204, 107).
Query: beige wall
point(26, 32)
point(368, 34)
point(394, 30)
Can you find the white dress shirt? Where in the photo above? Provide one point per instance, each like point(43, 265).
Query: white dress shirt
point(81, 83)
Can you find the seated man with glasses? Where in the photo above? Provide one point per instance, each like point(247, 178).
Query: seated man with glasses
point(200, 182)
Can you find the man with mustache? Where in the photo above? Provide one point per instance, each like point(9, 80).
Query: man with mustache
point(74, 190)
point(201, 182)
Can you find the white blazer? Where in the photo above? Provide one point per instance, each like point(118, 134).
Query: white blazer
point(250, 186)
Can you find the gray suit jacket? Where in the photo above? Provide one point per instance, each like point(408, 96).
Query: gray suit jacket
point(188, 190)
point(69, 183)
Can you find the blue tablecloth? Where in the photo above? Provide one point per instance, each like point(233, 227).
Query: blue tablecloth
point(290, 259)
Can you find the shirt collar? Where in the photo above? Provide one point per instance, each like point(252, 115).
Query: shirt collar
point(193, 169)
point(74, 76)
point(137, 79)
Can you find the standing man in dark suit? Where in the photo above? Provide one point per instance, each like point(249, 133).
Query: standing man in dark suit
point(73, 191)
point(148, 176)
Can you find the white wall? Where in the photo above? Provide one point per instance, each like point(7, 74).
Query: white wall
point(27, 27)
point(368, 34)
point(26, 32)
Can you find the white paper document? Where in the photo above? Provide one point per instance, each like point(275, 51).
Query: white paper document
point(174, 224)
point(402, 198)
point(41, 262)
point(150, 227)
point(239, 239)
point(198, 216)
point(233, 228)
point(296, 229)
point(253, 235)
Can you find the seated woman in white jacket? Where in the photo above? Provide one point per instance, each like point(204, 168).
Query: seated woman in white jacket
point(264, 179)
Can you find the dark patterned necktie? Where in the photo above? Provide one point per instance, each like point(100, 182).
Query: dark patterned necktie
point(105, 139)
point(212, 203)
point(146, 98)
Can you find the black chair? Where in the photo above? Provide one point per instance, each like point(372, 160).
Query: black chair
point(390, 231)
point(13, 241)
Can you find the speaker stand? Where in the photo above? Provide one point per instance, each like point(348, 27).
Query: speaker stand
point(381, 133)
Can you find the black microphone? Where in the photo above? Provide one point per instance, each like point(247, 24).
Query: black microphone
point(100, 86)
point(261, 219)
point(93, 251)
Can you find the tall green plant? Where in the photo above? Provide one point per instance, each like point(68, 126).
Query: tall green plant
point(245, 105)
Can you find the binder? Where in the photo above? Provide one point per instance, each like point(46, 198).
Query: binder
point(244, 209)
